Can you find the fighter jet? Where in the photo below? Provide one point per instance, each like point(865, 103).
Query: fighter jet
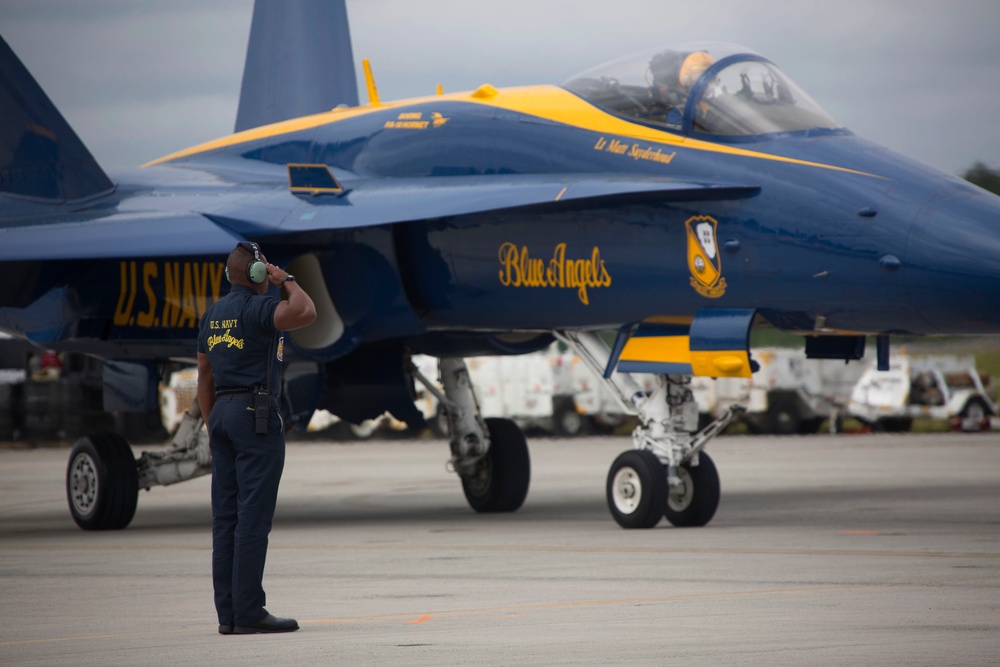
point(648, 212)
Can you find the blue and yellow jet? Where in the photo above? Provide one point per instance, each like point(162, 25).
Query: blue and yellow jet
point(676, 198)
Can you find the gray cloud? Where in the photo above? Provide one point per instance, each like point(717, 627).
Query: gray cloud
point(139, 80)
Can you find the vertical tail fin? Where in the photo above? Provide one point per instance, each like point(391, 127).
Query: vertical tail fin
point(299, 62)
point(41, 157)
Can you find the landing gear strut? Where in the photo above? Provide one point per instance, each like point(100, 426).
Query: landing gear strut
point(490, 455)
point(666, 473)
point(103, 478)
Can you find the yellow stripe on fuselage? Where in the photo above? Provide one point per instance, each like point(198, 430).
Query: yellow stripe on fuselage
point(550, 103)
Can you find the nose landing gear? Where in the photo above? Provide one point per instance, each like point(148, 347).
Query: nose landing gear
point(667, 473)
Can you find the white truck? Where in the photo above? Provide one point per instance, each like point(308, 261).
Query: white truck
point(581, 402)
point(788, 394)
point(937, 387)
point(517, 387)
point(555, 391)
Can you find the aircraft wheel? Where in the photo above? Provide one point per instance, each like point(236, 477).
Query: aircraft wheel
point(693, 502)
point(501, 483)
point(102, 482)
point(637, 489)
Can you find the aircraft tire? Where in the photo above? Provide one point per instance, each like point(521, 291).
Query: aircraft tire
point(637, 489)
point(501, 485)
point(102, 482)
point(695, 502)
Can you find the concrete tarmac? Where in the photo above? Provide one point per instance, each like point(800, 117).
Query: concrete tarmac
point(826, 550)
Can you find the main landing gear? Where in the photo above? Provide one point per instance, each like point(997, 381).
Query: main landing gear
point(490, 455)
point(666, 473)
point(103, 478)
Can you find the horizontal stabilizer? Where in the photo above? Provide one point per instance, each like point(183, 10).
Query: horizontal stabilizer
point(716, 344)
point(41, 157)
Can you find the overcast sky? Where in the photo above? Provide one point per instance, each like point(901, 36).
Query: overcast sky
point(140, 79)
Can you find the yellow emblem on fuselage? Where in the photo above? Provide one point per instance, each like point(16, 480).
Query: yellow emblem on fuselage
point(704, 261)
point(414, 120)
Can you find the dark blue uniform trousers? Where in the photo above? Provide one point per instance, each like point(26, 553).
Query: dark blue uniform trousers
point(246, 469)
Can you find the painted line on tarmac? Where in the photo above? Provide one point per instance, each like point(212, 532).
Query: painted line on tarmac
point(514, 548)
point(641, 550)
point(408, 617)
point(632, 601)
point(513, 610)
point(119, 635)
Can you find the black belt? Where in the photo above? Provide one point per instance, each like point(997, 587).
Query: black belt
point(240, 394)
point(225, 391)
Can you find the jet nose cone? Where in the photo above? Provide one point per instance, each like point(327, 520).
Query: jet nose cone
point(953, 258)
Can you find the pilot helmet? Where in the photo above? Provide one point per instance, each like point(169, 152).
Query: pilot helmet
point(664, 68)
point(693, 66)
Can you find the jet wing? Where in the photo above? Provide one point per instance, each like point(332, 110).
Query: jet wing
point(119, 235)
point(366, 203)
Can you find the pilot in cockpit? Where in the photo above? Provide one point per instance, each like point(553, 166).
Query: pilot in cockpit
point(672, 75)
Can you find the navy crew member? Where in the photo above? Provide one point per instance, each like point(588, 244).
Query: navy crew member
point(239, 368)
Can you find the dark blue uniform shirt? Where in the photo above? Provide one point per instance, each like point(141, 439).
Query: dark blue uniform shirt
point(238, 335)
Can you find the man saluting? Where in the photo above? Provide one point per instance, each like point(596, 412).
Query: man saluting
point(239, 378)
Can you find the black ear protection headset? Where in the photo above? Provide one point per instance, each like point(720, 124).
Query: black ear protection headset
point(256, 269)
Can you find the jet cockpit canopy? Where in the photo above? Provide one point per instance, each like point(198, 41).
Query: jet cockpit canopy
point(711, 88)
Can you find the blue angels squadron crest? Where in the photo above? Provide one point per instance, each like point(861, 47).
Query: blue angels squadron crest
point(703, 257)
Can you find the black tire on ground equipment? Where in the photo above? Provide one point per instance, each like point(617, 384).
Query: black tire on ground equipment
point(810, 426)
point(893, 425)
point(783, 417)
point(974, 415)
point(566, 421)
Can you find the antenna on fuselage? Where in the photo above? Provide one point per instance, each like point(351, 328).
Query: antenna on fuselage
point(370, 82)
